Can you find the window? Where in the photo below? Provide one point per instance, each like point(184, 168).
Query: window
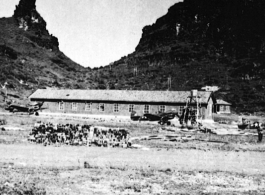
point(116, 107)
point(74, 106)
point(224, 108)
point(162, 108)
point(88, 106)
point(61, 105)
point(101, 107)
point(131, 108)
point(146, 109)
point(181, 108)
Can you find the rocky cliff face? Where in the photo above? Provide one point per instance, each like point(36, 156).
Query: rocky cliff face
point(30, 57)
point(198, 43)
point(28, 17)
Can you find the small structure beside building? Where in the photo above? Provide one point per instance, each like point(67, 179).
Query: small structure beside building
point(120, 103)
point(222, 107)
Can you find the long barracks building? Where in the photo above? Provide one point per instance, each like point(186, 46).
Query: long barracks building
point(120, 102)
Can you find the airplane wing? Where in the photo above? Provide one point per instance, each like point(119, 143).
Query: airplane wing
point(152, 117)
point(35, 104)
point(135, 118)
point(17, 108)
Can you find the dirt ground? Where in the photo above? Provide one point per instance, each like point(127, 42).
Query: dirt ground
point(192, 167)
point(92, 170)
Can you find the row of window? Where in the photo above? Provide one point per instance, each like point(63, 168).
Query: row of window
point(101, 107)
point(88, 106)
point(224, 108)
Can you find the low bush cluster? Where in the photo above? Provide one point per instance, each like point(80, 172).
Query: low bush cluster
point(20, 188)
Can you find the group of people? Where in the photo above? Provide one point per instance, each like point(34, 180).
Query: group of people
point(70, 134)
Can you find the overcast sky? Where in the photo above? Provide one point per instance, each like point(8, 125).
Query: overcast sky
point(96, 32)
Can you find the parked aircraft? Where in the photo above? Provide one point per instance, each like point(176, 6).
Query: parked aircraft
point(32, 108)
point(162, 118)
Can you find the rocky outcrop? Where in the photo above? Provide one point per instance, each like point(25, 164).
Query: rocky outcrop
point(198, 43)
point(28, 18)
point(30, 57)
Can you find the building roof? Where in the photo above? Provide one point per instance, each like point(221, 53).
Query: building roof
point(222, 102)
point(118, 95)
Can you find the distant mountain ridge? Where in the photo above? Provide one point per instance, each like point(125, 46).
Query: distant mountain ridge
point(30, 57)
point(199, 43)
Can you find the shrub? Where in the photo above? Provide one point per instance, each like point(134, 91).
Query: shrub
point(17, 189)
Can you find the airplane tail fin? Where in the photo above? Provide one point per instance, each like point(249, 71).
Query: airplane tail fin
point(177, 115)
point(41, 104)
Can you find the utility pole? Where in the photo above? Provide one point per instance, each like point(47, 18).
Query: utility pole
point(169, 82)
point(226, 80)
point(135, 71)
point(197, 112)
point(110, 65)
point(5, 88)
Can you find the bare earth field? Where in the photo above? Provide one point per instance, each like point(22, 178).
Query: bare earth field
point(193, 167)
